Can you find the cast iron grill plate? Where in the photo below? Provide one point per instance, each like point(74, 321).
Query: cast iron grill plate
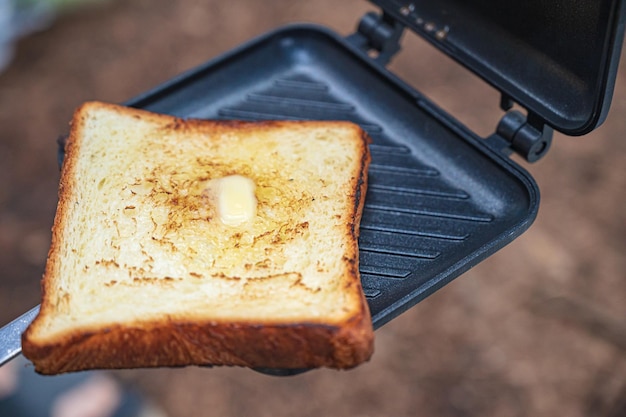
point(438, 202)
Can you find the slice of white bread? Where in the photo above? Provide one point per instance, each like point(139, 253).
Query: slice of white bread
point(142, 272)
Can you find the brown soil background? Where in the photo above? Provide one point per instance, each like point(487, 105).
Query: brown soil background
point(538, 329)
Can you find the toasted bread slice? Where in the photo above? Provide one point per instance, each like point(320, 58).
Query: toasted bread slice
point(143, 272)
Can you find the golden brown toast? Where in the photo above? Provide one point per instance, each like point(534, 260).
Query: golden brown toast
point(143, 271)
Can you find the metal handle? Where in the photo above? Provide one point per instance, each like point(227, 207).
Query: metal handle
point(11, 335)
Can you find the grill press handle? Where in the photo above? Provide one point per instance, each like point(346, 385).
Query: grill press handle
point(11, 335)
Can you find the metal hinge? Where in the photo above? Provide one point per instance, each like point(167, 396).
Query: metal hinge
point(379, 35)
point(527, 136)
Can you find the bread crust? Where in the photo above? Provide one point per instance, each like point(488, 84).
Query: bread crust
point(179, 341)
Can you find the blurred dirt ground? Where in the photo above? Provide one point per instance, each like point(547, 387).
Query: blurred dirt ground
point(536, 330)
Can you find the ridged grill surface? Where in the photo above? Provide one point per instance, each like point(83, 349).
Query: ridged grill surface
point(438, 201)
point(411, 216)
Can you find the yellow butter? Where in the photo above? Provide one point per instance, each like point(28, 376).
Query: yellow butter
point(236, 201)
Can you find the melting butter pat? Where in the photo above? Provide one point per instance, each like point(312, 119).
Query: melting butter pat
point(236, 202)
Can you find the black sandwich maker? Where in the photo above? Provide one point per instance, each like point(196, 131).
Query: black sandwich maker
point(440, 198)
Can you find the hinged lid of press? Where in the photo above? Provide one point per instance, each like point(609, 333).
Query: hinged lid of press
point(558, 59)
